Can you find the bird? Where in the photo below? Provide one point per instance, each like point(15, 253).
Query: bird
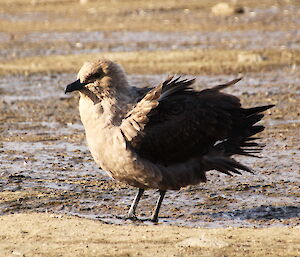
point(164, 137)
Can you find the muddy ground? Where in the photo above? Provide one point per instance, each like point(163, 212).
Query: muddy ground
point(45, 164)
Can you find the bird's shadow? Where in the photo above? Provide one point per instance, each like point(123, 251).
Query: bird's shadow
point(258, 213)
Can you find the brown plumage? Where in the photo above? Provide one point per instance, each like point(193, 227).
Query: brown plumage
point(165, 137)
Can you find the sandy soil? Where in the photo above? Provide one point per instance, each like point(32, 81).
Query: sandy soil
point(55, 235)
point(47, 168)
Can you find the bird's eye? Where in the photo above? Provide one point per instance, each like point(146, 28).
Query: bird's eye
point(91, 78)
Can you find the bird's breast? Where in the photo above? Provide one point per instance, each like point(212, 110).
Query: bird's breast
point(109, 150)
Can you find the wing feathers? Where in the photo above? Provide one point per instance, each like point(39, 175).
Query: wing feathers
point(136, 119)
point(172, 86)
point(220, 87)
point(173, 124)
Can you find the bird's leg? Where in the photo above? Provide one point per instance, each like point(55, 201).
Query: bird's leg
point(131, 212)
point(158, 204)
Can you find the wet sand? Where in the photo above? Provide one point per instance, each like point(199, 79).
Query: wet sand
point(47, 168)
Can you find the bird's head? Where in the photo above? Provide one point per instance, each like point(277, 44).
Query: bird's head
point(96, 75)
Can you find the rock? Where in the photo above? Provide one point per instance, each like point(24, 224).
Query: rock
point(224, 9)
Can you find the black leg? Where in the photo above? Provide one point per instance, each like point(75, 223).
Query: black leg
point(158, 204)
point(131, 212)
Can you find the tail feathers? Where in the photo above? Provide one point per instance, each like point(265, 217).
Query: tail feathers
point(254, 130)
point(241, 140)
point(224, 164)
point(257, 109)
point(239, 147)
point(254, 118)
point(247, 144)
point(253, 115)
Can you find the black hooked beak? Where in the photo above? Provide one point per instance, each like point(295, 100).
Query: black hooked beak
point(76, 85)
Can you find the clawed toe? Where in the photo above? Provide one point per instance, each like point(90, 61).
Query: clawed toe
point(131, 217)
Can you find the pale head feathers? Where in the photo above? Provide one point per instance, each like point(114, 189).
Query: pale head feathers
point(104, 71)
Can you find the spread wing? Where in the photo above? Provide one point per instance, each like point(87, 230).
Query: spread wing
point(133, 125)
point(173, 123)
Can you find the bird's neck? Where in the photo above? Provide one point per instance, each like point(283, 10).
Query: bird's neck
point(107, 107)
point(116, 101)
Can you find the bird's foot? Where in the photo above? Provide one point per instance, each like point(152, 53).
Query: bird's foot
point(154, 219)
point(131, 214)
point(131, 217)
point(135, 218)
